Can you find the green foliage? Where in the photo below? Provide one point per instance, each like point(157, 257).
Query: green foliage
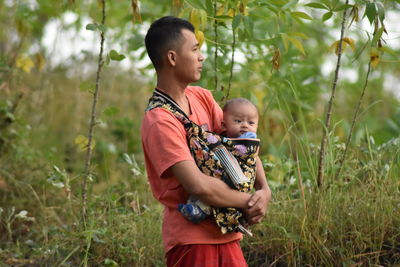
point(370, 12)
point(96, 27)
point(317, 5)
point(115, 56)
point(282, 50)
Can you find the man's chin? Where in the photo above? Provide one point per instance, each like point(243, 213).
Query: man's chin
point(195, 80)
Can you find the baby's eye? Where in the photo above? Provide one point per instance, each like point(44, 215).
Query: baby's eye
point(238, 121)
point(252, 123)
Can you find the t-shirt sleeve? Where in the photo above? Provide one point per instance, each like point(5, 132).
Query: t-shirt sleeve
point(165, 141)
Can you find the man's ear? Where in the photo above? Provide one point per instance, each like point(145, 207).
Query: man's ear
point(171, 58)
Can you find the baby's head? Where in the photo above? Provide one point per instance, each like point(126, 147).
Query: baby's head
point(240, 116)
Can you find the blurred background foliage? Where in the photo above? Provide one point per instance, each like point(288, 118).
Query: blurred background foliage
point(278, 53)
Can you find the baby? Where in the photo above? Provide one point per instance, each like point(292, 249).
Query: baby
point(240, 120)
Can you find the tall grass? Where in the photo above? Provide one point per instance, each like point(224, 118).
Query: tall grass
point(353, 223)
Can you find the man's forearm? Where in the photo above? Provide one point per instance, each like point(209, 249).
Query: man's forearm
point(210, 190)
point(219, 194)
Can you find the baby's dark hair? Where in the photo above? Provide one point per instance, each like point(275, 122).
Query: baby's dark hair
point(163, 35)
point(238, 100)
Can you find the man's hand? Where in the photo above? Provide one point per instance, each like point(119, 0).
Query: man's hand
point(257, 206)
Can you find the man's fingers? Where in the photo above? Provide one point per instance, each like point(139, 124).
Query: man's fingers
point(257, 209)
point(255, 219)
point(255, 215)
point(254, 198)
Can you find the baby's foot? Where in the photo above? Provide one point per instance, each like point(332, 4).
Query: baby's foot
point(192, 212)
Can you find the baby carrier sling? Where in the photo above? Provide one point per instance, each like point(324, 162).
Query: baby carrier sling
point(229, 159)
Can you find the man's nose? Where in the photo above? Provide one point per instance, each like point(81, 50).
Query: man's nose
point(201, 58)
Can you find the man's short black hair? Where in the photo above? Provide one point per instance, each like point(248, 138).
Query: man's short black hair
point(163, 35)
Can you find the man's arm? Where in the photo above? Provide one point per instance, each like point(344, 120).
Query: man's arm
point(210, 190)
point(260, 199)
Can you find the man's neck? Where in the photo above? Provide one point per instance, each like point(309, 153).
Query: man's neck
point(176, 91)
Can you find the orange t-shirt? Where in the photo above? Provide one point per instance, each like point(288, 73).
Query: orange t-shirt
point(164, 144)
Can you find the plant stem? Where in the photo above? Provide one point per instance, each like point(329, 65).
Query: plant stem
point(301, 186)
point(232, 64)
point(326, 128)
point(92, 120)
point(216, 47)
point(9, 231)
point(355, 117)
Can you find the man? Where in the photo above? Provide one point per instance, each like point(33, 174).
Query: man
point(173, 175)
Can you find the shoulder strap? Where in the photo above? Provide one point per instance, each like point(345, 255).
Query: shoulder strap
point(162, 100)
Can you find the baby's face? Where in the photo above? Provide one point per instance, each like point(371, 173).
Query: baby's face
point(240, 118)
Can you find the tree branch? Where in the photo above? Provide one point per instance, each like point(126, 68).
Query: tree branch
point(232, 64)
point(325, 130)
point(92, 120)
point(216, 47)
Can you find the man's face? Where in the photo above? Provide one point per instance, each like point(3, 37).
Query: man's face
point(239, 119)
point(189, 58)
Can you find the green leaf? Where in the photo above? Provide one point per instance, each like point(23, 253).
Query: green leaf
point(298, 34)
point(277, 2)
point(210, 7)
point(297, 43)
point(236, 21)
point(82, 142)
point(317, 5)
point(110, 262)
point(290, 4)
point(327, 16)
point(199, 4)
point(111, 111)
point(377, 36)
point(92, 27)
point(222, 17)
point(342, 7)
point(86, 87)
point(370, 12)
point(300, 15)
point(285, 41)
point(381, 11)
point(96, 27)
point(387, 50)
point(115, 56)
point(249, 24)
point(392, 125)
point(102, 27)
